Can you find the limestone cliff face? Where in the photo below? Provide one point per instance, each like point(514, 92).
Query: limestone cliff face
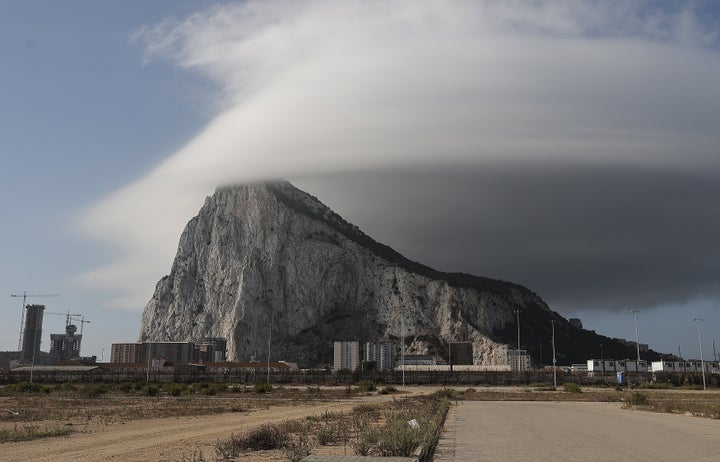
point(269, 259)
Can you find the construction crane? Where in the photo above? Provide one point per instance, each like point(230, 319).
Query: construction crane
point(68, 316)
point(25, 296)
point(82, 324)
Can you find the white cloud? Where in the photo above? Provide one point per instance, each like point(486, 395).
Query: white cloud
point(311, 87)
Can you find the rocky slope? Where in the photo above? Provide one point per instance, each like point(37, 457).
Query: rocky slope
point(269, 259)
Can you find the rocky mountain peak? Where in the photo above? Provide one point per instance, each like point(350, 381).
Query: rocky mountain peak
point(269, 259)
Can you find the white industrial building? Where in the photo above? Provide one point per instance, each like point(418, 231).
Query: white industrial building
point(610, 366)
point(458, 368)
point(692, 366)
point(518, 360)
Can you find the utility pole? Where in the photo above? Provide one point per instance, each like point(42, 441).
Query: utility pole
point(402, 347)
point(268, 358)
point(637, 336)
point(517, 314)
point(554, 358)
point(702, 362)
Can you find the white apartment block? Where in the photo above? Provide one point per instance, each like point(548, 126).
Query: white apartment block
point(346, 355)
point(382, 353)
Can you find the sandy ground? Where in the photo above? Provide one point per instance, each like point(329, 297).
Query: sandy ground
point(170, 439)
point(573, 431)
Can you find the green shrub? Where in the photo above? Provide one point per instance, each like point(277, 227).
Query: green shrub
point(657, 385)
point(297, 450)
point(366, 410)
point(366, 386)
point(150, 390)
point(386, 390)
point(175, 389)
point(262, 387)
point(217, 388)
point(398, 438)
point(637, 399)
point(94, 390)
point(262, 438)
point(125, 387)
point(326, 435)
point(64, 388)
point(445, 393)
point(572, 387)
point(27, 387)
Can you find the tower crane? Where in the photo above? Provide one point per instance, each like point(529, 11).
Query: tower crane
point(25, 296)
point(68, 316)
point(82, 323)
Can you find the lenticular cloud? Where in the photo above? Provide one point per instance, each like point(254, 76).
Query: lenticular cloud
point(313, 87)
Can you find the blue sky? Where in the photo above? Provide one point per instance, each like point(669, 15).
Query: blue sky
point(118, 118)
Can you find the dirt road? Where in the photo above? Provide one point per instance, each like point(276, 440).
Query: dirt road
point(168, 439)
point(567, 431)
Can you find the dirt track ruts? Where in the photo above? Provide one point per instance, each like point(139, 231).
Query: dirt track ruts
point(166, 439)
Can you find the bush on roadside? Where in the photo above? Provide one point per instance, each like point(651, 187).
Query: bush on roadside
point(94, 390)
point(637, 399)
point(265, 437)
point(386, 390)
point(175, 389)
point(27, 387)
point(572, 387)
point(262, 387)
point(445, 393)
point(366, 386)
point(150, 390)
point(297, 450)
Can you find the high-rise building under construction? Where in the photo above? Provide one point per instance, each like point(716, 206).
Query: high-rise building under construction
point(32, 332)
point(65, 347)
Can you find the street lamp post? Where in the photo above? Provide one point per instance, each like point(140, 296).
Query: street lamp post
point(635, 311)
point(268, 358)
point(517, 314)
point(554, 358)
point(402, 347)
point(702, 362)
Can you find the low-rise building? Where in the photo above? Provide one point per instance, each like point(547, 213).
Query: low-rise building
point(611, 366)
point(692, 366)
point(417, 360)
point(518, 360)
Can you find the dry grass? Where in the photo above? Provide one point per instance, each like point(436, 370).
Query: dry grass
point(82, 404)
point(32, 432)
point(700, 404)
point(380, 430)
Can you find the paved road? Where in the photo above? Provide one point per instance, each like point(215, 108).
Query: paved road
point(563, 431)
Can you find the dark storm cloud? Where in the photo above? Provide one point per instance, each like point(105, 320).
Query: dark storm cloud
point(533, 97)
point(582, 235)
